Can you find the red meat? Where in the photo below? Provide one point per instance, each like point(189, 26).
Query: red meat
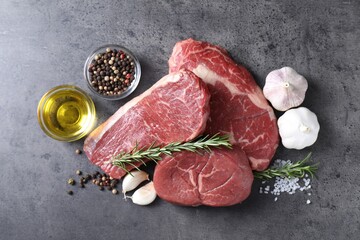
point(237, 106)
point(222, 177)
point(175, 109)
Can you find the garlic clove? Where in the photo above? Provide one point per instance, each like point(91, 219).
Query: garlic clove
point(144, 195)
point(133, 179)
point(285, 88)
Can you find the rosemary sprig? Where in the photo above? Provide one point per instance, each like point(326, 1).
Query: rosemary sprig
point(289, 170)
point(155, 153)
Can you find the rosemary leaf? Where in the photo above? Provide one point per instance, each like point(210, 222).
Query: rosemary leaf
point(289, 170)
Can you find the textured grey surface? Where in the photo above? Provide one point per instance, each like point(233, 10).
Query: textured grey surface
point(45, 43)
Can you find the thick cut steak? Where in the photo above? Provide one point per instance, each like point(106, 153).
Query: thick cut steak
point(222, 177)
point(237, 105)
point(176, 108)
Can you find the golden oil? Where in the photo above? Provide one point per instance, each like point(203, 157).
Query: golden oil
point(66, 113)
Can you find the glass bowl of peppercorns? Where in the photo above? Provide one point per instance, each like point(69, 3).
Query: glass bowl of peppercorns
point(112, 72)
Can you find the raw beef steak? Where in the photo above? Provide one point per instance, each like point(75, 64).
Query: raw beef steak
point(176, 108)
point(222, 177)
point(237, 105)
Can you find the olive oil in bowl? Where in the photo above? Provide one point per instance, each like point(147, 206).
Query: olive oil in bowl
point(66, 113)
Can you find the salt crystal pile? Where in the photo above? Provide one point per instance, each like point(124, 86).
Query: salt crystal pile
point(286, 185)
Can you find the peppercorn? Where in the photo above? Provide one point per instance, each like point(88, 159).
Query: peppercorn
point(113, 184)
point(70, 192)
point(78, 172)
point(78, 151)
point(83, 180)
point(114, 191)
point(101, 188)
point(71, 181)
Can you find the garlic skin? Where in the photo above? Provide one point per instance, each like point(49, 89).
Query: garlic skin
point(298, 128)
point(144, 195)
point(285, 88)
point(133, 179)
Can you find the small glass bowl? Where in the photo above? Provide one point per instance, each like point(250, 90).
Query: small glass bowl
point(134, 83)
point(66, 113)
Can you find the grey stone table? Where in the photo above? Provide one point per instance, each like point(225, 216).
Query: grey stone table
point(45, 43)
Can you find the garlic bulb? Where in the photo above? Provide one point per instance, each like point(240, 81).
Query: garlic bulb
point(144, 195)
point(133, 179)
point(285, 88)
point(298, 128)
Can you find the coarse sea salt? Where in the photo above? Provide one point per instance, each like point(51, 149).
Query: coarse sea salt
point(286, 185)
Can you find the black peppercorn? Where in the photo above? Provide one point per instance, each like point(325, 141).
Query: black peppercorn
point(78, 151)
point(83, 180)
point(71, 181)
